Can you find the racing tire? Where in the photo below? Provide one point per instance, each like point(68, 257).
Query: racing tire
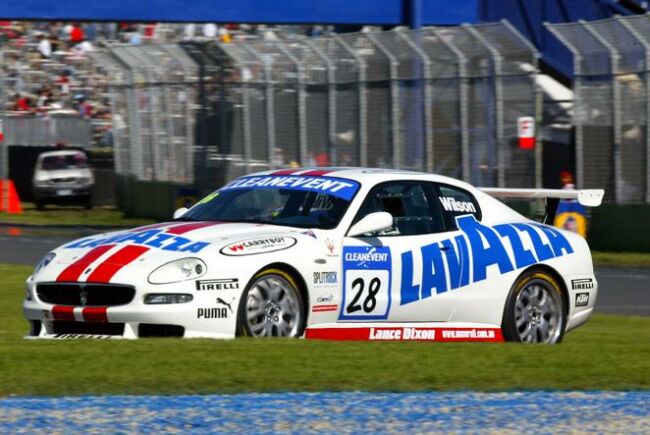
point(272, 306)
point(535, 310)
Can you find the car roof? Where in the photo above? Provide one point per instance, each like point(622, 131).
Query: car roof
point(364, 175)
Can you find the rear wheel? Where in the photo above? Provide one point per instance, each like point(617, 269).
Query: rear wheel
point(535, 311)
point(271, 306)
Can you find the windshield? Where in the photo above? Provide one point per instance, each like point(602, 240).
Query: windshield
point(66, 161)
point(306, 202)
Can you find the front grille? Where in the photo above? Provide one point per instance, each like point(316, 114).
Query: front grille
point(63, 180)
point(81, 294)
point(87, 328)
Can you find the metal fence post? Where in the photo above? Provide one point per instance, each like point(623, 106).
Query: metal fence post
point(270, 120)
point(428, 98)
point(331, 101)
point(136, 147)
point(539, 105)
point(463, 98)
point(303, 152)
point(578, 108)
point(4, 145)
point(498, 103)
point(646, 45)
point(394, 102)
point(363, 132)
point(616, 108)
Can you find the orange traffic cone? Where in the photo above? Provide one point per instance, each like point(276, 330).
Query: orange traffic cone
point(9, 201)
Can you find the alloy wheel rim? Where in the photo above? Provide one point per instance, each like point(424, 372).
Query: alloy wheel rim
point(273, 308)
point(538, 313)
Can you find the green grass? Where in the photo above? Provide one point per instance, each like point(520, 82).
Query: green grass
point(621, 259)
point(610, 352)
point(70, 215)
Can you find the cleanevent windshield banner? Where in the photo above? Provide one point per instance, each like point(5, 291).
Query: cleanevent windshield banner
point(339, 187)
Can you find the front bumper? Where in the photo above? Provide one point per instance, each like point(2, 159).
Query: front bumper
point(210, 314)
point(62, 192)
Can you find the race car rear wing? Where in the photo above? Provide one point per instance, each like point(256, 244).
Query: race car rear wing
point(586, 197)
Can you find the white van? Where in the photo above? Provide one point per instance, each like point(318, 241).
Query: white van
point(63, 177)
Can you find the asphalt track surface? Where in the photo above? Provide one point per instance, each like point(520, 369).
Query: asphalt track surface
point(622, 290)
point(296, 413)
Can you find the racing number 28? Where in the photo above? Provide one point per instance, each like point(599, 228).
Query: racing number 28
point(366, 294)
point(370, 302)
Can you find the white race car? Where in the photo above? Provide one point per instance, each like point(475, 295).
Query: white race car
point(327, 253)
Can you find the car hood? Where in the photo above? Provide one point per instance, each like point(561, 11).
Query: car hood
point(171, 240)
point(43, 174)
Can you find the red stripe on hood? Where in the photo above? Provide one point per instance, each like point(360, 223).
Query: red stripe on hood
point(317, 172)
point(286, 172)
point(74, 271)
point(95, 314)
point(186, 228)
point(60, 312)
point(105, 271)
point(153, 226)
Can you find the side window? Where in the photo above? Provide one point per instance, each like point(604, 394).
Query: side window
point(411, 205)
point(455, 201)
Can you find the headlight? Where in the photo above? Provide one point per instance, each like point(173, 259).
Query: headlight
point(177, 271)
point(167, 298)
point(28, 294)
point(43, 263)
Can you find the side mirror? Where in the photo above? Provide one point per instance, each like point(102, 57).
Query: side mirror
point(180, 212)
point(370, 223)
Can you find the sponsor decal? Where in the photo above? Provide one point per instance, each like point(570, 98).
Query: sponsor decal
point(324, 308)
point(324, 278)
point(366, 282)
point(165, 239)
point(81, 336)
point(451, 204)
point(582, 284)
point(212, 313)
point(440, 334)
point(339, 187)
point(467, 258)
point(258, 246)
point(582, 299)
point(226, 304)
point(325, 298)
point(217, 284)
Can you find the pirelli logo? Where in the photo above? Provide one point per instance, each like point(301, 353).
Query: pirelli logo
point(582, 284)
point(217, 284)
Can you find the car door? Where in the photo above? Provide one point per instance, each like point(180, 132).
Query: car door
point(382, 272)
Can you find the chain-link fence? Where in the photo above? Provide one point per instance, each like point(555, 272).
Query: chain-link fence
point(611, 104)
point(50, 129)
point(443, 100)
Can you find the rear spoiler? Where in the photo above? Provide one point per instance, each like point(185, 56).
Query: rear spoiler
point(587, 197)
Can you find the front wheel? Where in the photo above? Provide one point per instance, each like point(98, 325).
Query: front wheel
point(534, 311)
point(271, 306)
